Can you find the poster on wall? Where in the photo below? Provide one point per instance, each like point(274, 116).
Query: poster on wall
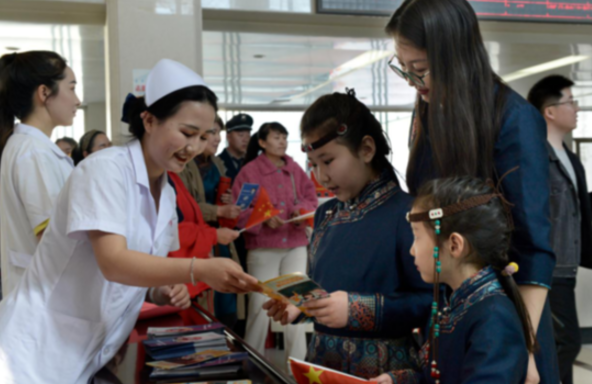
point(139, 77)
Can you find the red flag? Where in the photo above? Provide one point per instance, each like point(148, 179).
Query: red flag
point(306, 373)
point(262, 211)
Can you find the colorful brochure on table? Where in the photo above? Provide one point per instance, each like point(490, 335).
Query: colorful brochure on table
point(154, 332)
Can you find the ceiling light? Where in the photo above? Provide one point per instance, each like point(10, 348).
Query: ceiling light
point(13, 49)
point(568, 60)
point(358, 62)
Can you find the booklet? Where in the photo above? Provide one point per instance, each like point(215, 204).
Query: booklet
point(154, 332)
point(193, 339)
point(211, 373)
point(189, 360)
point(295, 288)
point(246, 195)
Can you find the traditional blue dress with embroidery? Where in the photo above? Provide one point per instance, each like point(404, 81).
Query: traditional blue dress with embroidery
point(481, 338)
point(362, 247)
point(521, 142)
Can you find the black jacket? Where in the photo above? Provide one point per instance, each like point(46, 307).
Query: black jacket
point(584, 204)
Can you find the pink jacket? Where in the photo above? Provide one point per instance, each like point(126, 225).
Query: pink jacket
point(278, 184)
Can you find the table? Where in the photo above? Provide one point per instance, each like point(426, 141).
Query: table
point(128, 366)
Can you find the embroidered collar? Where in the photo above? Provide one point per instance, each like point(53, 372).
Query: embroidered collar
point(371, 192)
point(473, 287)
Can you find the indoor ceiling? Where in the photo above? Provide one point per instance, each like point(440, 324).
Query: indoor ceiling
point(292, 70)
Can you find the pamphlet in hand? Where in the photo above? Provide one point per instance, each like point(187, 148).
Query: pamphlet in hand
point(246, 195)
point(295, 289)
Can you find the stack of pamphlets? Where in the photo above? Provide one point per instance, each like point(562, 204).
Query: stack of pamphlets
point(199, 351)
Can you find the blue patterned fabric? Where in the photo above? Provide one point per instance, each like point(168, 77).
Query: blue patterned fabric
point(365, 358)
point(481, 338)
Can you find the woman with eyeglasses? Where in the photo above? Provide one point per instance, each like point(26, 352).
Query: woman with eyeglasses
point(468, 122)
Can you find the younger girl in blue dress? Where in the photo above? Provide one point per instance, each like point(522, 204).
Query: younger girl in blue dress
point(483, 334)
point(360, 247)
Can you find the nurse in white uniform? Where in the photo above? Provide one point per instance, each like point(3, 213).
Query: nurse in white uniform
point(114, 223)
point(38, 88)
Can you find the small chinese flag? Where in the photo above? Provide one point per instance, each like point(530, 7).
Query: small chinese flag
point(262, 211)
point(306, 373)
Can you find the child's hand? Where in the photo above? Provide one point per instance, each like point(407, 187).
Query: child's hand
point(226, 235)
point(332, 311)
point(175, 295)
point(224, 275)
point(280, 312)
point(383, 379)
point(274, 222)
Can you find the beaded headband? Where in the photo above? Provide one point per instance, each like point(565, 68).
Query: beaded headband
point(438, 213)
point(342, 130)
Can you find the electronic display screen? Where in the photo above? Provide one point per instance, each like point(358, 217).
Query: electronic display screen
point(572, 11)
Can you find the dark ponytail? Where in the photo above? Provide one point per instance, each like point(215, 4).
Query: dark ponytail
point(165, 107)
point(329, 112)
point(254, 149)
point(486, 228)
point(20, 76)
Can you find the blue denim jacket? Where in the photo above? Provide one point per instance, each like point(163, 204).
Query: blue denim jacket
point(521, 142)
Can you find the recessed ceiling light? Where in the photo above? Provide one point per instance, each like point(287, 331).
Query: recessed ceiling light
point(568, 60)
point(259, 56)
point(12, 48)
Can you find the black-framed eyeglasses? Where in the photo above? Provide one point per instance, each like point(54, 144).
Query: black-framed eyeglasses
point(415, 78)
point(573, 103)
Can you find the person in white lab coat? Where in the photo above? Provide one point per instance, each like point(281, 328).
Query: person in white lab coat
point(114, 224)
point(38, 88)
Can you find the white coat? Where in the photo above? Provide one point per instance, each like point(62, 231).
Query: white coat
point(33, 171)
point(65, 321)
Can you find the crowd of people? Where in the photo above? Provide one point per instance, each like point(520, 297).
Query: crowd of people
point(467, 278)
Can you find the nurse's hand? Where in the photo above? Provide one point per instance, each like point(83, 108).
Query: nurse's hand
point(332, 312)
point(226, 235)
point(278, 311)
point(228, 211)
point(224, 275)
point(175, 295)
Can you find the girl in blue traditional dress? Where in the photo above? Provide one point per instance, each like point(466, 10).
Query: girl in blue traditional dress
point(483, 333)
point(359, 248)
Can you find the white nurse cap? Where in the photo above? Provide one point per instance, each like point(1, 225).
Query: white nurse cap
point(169, 76)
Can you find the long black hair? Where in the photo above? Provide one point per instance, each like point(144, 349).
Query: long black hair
point(464, 112)
point(165, 107)
point(254, 149)
point(486, 228)
point(20, 76)
point(331, 111)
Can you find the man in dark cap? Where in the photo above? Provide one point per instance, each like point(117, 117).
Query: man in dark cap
point(238, 133)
